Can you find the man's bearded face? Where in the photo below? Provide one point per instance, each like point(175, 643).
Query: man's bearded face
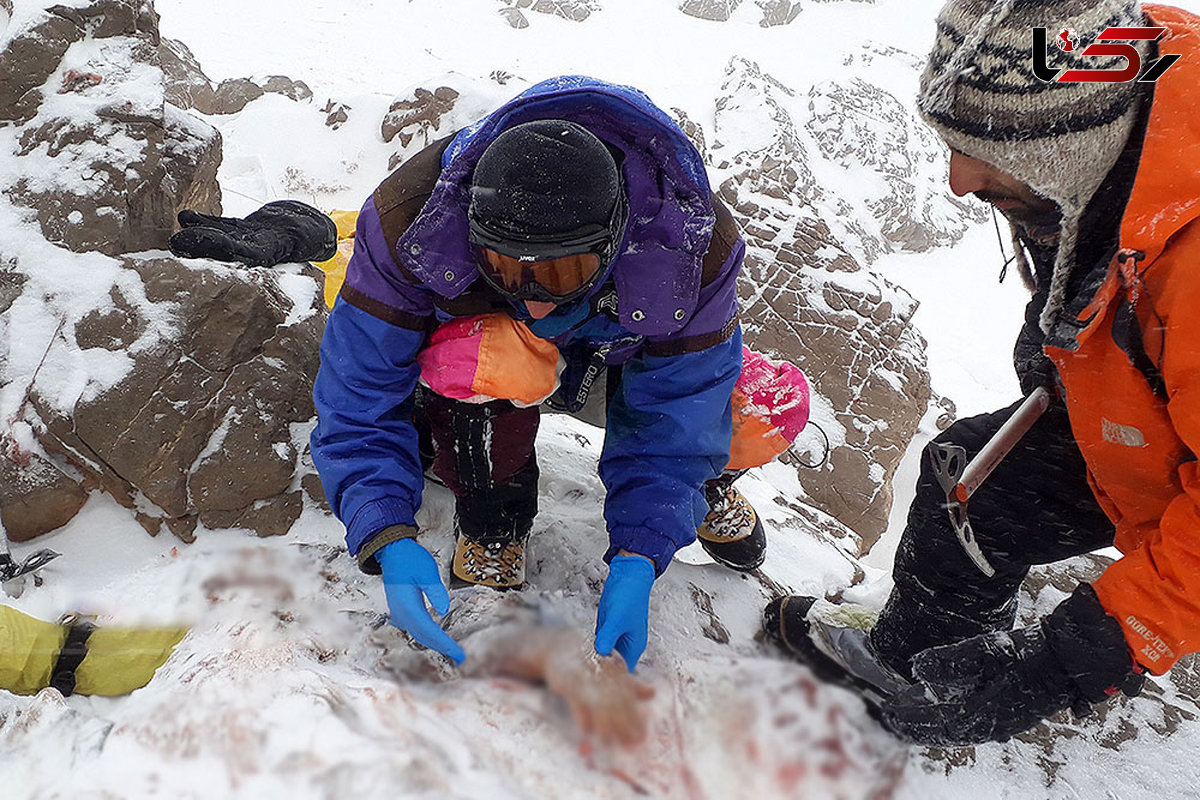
point(1023, 206)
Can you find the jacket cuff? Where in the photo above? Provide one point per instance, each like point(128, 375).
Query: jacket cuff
point(372, 517)
point(393, 533)
point(1090, 645)
point(655, 546)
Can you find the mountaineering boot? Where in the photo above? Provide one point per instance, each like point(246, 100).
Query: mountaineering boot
point(834, 641)
point(284, 231)
point(483, 452)
point(498, 563)
point(731, 532)
point(492, 529)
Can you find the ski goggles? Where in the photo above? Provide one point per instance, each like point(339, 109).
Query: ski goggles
point(555, 280)
point(555, 269)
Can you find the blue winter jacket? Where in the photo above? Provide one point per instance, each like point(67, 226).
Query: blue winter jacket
point(666, 311)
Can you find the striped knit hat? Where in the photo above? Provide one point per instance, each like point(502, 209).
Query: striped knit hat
point(980, 94)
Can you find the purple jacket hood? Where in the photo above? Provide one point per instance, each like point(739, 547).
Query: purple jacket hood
point(671, 218)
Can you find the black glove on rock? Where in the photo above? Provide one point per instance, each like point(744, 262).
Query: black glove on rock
point(278, 233)
point(994, 685)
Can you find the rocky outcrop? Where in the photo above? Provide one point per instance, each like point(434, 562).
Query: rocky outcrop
point(30, 57)
point(714, 10)
point(858, 125)
point(35, 495)
point(100, 157)
point(693, 130)
point(424, 113)
point(192, 150)
point(187, 86)
point(418, 117)
point(778, 12)
point(774, 12)
point(200, 428)
point(186, 390)
point(806, 297)
point(574, 10)
point(514, 17)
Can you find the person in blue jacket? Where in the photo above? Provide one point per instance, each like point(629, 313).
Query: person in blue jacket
point(574, 230)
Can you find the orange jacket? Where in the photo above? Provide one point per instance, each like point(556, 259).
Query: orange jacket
point(1141, 447)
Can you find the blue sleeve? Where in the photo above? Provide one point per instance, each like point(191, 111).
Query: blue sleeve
point(668, 432)
point(365, 445)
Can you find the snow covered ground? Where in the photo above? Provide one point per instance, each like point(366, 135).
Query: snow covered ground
point(286, 689)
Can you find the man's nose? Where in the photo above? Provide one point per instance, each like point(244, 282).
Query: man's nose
point(967, 174)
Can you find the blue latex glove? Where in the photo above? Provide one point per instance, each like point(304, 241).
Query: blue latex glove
point(410, 575)
point(623, 619)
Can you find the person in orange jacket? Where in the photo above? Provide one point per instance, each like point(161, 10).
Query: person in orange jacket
point(1100, 185)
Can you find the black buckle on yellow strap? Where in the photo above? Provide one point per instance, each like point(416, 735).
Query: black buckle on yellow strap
point(74, 650)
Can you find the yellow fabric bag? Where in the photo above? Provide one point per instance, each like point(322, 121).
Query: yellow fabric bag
point(119, 659)
point(335, 268)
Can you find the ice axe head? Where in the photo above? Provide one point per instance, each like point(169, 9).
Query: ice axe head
point(13, 574)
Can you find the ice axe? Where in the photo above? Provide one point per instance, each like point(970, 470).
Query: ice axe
point(12, 572)
point(960, 479)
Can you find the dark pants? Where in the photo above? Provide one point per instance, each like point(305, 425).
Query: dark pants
point(484, 453)
point(1035, 508)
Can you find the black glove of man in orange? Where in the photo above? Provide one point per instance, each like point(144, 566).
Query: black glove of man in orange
point(995, 685)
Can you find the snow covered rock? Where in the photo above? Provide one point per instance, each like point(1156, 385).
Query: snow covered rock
point(805, 296)
point(200, 428)
point(100, 157)
point(514, 17)
point(774, 12)
point(693, 130)
point(181, 389)
point(173, 386)
point(192, 150)
point(778, 12)
point(35, 496)
point(715, 10)
point(574, 10)
point(440, 106)
point(187, 86)
point(418, 117)
point(861, 127)
point(29, 57)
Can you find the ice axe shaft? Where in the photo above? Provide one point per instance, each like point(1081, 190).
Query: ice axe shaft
point(1001, 443)
point(959, 479)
